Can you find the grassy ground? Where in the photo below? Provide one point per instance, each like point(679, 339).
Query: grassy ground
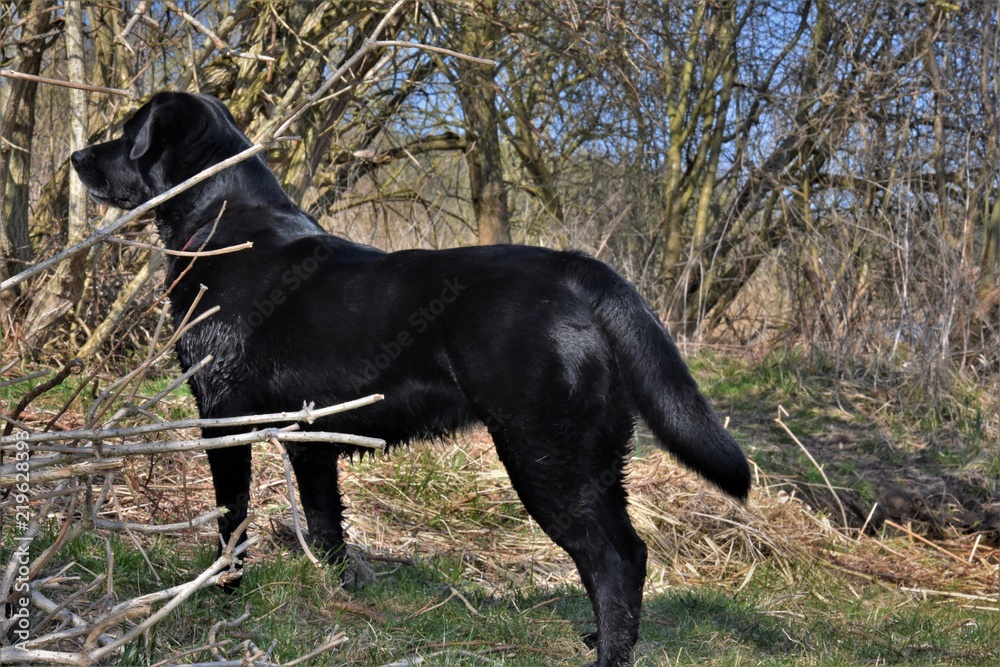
point(464, 577)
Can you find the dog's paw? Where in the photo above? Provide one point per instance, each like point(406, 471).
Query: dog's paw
point(357, 572)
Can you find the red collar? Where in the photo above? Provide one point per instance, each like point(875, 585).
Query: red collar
point(197, 231)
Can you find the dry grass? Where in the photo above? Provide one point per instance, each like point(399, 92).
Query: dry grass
point(451, 502)
point(447, 499)
point(453, 498)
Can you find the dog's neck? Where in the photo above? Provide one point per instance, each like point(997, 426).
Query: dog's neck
point(179, 220)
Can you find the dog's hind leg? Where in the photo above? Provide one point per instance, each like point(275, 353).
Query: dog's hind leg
point(574, 491)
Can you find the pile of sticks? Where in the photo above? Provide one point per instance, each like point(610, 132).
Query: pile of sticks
point(57, 481)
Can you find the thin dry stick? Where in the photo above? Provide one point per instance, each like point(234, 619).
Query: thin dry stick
point(138, 13)
point(158, 529)
point(307, 414)
point(217, 42)
point(972, 554)
point(103, 234)
point(950, 594)
point(220, 442)
point(214, 630)
point(11, 74)
point(80, 469)
point(435, 49)
point(335, 641)
point(843, 512)
point(318, 94)
point(223, 561)
point(291, 501)
point(53, 608)
point(190, 265)
point(116, 388)
point(868, 520)
point(923, 539)
point(182, 253)
point(181, 379)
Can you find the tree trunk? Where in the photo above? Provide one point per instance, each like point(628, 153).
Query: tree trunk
point(63, 289)
point(477, 95)
point(15, 140)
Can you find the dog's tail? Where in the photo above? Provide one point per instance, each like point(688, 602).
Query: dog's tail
point(662, 389)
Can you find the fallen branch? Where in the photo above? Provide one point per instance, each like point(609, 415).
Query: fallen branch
point(160, 529)
point(307, 414)
point(220, 442)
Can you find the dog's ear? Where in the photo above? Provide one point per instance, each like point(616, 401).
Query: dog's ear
point(144, 138)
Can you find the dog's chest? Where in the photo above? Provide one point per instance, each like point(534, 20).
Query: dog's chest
point(222, 379)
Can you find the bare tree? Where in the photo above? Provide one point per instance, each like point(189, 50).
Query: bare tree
point(18, 133)
point(476, 91)
point(63, 289)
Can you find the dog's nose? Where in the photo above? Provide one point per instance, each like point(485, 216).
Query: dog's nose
point(77, 157)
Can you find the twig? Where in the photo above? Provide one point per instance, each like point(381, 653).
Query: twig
point(307, 414)
point(24, 378)
point(138, 13)
point(181, 253)
point(843, 512)
point(103, 234)
point(53, 608)
point(11, 74)
point(290, 485)
point(74, 366)
point(868, 519)
point(214, 630)
point(116, 388)
point(217, 42)
point(44, 496)
point(923, 539)
point(435, 49)
point(972, 554)
point(81, 469)
point(465, 601)
point(154, 529)
point(220, 442)
point(225, 560)
point(156, 398)
point(419, 659)
point(960, 596)
point(369, 44)
point(336, 640)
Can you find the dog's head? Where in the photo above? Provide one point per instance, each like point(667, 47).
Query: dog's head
point(169, 139)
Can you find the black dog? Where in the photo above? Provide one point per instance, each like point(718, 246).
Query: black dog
point(553, 351)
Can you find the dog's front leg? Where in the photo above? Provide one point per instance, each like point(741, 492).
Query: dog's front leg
point(315, 466)
point(231, 478)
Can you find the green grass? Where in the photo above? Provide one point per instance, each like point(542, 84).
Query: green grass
point(452, 609)
point(818, 618)
point(860, 431)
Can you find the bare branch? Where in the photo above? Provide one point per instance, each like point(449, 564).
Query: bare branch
point(11, 74)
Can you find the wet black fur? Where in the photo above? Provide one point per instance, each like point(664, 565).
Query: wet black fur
point(553, 351)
